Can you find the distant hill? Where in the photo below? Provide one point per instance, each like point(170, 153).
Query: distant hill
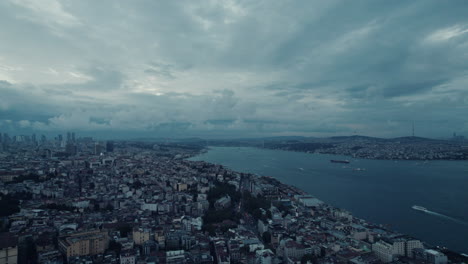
point(413, 139)
point(355, 138)
point(408, 139)
point(287, 139)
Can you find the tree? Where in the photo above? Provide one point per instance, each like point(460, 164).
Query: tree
point(257, 214)
point(124, 229)
point(137, 185)
point(283, 208)
point(266, 236)
point(253, 206)
point(9, 205)
point(114, 246)
point(211, 229)
point(218, 216)
point(221, 190)
point(58, 207)
point(28, 251)
point(109, 207)
point(308, 258)
point(268, 214)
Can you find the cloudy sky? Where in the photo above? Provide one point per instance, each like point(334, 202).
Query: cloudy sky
point(234, 68)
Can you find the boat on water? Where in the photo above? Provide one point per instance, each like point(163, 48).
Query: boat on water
point(340, 161)
point(420, 208)
point(359, 169)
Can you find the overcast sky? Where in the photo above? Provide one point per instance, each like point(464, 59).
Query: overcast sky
point(234, 68)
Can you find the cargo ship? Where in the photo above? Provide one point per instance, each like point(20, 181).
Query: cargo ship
point(340, 161)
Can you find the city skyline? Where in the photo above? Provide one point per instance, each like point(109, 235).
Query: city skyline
point(234, 69)
point(233, 131)
point(63, 136)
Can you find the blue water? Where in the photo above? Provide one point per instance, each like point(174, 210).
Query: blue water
point(382, 194)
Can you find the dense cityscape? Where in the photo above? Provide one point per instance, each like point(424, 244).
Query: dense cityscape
point(233, 131)
point(403, 148)
point(77, 200)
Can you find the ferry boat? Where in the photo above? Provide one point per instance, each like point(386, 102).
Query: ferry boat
point(420, 208)
point(339, 161)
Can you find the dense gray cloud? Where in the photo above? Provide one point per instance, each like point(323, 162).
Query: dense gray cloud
point(234, 68)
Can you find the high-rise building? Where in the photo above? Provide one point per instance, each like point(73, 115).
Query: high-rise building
point(387, 249)
point(68, 136)
point(383, 250)
point(398, 247)
point(70, 149)
point(48, 153)
point(8, 249)
point(73, 136)
point(43, 139)
point(33, 138)
point(110, 146)
point(60, 138)
point(6, 138)
point(97, 148)
point(411, 245)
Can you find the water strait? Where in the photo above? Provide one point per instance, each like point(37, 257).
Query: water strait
point(379, 191)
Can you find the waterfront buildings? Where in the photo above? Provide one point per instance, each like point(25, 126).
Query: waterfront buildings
point(141, 204)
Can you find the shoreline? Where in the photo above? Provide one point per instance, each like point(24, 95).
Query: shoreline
point(205, 149)
point(299, 191)
point(362, 157)
point(296, 189)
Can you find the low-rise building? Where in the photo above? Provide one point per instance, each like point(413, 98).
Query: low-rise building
point(141, 235)
point(84, 243)
point(435, 257)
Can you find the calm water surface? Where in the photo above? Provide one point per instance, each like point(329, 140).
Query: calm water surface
point(383, 193)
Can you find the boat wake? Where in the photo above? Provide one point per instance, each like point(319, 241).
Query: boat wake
point(425, 210)
point(448, 217)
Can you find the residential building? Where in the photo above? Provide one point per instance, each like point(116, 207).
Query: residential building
point(84, 243)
